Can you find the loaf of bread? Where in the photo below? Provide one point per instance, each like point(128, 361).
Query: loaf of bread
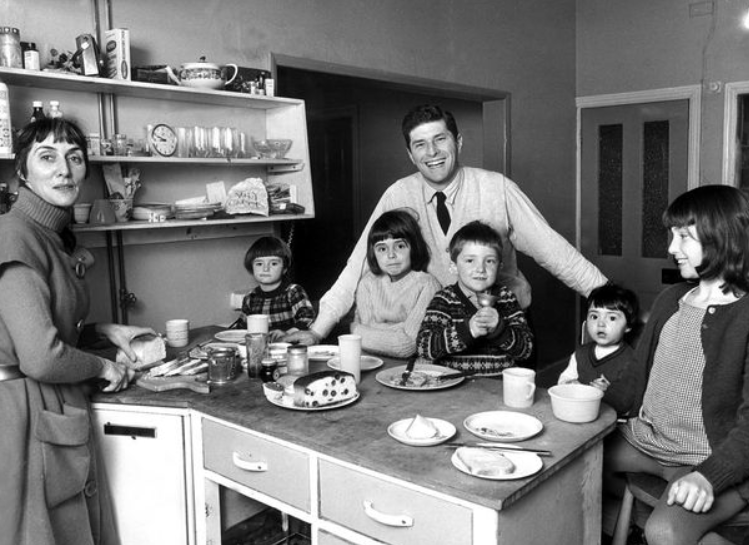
point(148, 348)
point(324, 388)
point(421, 428)
point(485, 462)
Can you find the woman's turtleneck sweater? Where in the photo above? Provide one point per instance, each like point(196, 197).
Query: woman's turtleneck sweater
point(44, 304)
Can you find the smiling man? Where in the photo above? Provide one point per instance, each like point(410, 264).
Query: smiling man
point(446, 195)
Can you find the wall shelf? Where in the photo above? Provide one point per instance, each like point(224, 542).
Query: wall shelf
point(170, 224)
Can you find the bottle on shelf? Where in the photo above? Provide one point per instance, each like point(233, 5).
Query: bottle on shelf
point(37, 112)
point(30, 56)
point(54, 109)
point(6, 130)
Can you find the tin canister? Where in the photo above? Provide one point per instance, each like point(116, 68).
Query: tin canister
point(222, 364)
point(10, 47)
point(256, 344)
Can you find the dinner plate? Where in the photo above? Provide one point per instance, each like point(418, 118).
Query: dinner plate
point(367, 363)
point(287, 402)
point(505, 426)
point(322, 352)
point(397, 430)
point(428, 372)
point(231, 335)
point(526, 464)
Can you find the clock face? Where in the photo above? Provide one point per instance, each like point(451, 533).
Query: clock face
point(163, 140)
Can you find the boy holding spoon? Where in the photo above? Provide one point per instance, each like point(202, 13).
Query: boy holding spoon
point(463, 328)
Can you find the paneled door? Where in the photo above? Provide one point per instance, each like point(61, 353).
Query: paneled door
point(633, 164)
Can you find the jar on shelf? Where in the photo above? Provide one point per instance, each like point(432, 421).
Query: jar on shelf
point(120, 144)
point(93, 144)
point(30, 56)
point(10, 47)
point(37, 111)
point(54, 109)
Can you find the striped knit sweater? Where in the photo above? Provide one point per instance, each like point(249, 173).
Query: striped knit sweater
point(388, 314)
point(445, 336)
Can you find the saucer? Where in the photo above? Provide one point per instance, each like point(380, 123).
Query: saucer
point(397, 431)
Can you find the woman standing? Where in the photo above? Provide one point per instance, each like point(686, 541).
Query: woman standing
point(49, 491)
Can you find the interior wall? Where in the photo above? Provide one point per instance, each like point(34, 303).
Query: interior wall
point(525, 48)
point(634, 45)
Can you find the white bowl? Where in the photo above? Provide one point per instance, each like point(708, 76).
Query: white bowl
point(576, 403)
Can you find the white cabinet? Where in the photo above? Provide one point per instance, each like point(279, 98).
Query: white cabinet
point(148, 465)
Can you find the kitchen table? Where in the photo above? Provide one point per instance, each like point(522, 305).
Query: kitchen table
point(340, 471)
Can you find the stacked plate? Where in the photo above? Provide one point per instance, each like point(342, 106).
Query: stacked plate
point(195, 211)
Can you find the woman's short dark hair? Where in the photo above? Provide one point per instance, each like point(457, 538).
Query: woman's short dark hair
point(62, 129)
point(268, 247)
point(478, 232)
point(400, 223)
point(720, 215)
point(615, 297)
point(426, 113)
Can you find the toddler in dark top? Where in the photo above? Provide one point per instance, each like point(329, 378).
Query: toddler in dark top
point(606, 360)
point(268, 260)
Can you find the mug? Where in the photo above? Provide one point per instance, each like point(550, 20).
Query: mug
point(257, 323)
point(350, 353)
point(518, 387)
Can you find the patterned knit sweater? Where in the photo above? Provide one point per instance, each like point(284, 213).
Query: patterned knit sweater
point(388, 314)
point(288, 306)
point(445, 335)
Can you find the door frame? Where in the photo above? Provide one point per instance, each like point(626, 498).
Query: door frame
point(730, 125)
point(692, 93)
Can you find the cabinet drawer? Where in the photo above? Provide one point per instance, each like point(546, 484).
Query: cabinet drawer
point(389, 512)
point(264, 466)
point(324, 538)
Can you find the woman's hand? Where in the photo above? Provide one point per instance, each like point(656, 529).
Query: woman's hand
point(117, 375)
point(693, 492)
point(485, 321)
point(277, 335)
point(121, 335)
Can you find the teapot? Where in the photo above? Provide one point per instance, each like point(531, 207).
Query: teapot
point(202, 75)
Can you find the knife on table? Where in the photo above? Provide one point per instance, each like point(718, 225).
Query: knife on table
point(499, 446)
point(407, 373)
point(451, 376)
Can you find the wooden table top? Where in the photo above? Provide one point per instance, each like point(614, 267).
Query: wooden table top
point(357, 434)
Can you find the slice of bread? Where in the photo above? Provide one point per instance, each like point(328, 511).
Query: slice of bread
point(485, 462)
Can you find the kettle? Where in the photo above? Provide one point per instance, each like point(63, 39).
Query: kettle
point(202, 75)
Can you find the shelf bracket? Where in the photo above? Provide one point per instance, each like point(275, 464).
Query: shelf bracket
point(281, 169)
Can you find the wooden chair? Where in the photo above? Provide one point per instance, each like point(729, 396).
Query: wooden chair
point(647, 489)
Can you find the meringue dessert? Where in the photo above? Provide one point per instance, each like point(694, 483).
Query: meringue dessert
point(421, 428)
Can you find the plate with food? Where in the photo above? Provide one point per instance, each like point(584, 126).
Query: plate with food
point(421, 431)
point(424, 377)
point(319, 391)
point(231, 335)
point(322, 352)
point(494, 465)
point(505, 426)
point(367, 363)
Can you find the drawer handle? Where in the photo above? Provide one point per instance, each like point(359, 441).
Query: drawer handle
point(388, 520)
point(248, 466)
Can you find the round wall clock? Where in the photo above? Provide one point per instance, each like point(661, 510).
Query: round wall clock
point(163, 140)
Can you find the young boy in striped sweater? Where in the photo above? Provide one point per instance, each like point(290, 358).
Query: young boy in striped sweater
point(463, 328)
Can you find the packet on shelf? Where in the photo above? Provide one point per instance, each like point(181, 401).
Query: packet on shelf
point(248, 197)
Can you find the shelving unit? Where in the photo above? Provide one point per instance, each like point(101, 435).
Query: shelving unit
point(128, 106)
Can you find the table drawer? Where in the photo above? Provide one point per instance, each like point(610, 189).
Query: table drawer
point(264, 466)
point(390, 512)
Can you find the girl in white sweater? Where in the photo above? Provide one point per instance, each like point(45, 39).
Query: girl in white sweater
point(393, 295)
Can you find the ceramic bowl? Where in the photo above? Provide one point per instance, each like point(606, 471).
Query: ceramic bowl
point(575, 402)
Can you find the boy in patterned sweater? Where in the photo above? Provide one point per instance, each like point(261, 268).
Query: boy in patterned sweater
point(463, 328)
point(268, 260)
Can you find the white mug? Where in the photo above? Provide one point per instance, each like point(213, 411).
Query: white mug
point(518, 387)
point(177, 333)
point(350, 349)
point(257, 323)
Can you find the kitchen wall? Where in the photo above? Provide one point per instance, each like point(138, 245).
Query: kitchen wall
point(634, 45)
point(525, 48)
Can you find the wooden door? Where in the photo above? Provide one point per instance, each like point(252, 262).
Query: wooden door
point(634, 163)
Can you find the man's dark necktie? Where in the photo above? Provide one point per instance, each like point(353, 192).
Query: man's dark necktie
point(442, 214)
